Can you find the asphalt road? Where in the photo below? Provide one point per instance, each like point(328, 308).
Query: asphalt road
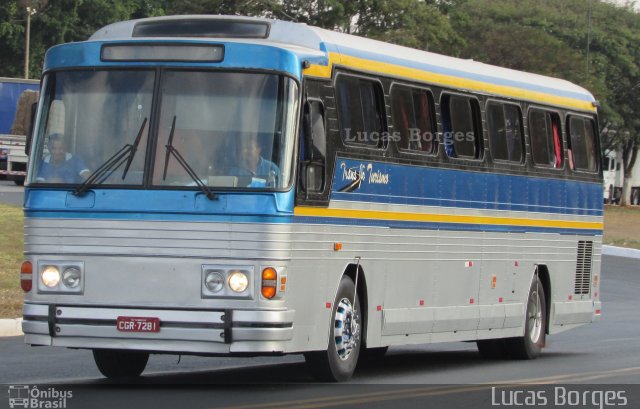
point(10, 193)
point(604, 355)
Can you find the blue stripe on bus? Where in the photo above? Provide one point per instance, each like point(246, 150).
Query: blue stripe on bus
point(462, 74)
point(422, 186)
point(443, 188)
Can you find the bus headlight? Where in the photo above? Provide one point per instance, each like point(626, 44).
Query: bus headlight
point(227, 281)
point(71, 277)
point(50, 276)
point(238, 281)
point(63, 277)
point(214, 281)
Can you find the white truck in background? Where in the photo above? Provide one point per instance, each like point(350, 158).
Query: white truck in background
point(17, 99)
point(12, 148)
point(613, 175)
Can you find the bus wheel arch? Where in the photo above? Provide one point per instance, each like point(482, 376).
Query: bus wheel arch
point(530, 345)
point(542, 271)
point(367, 354)
point(361, 289)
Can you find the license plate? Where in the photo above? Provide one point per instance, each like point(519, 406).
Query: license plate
point(138, 324)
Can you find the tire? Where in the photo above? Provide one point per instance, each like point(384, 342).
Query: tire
point(19, 182)
point(530, 345)
point(339, 361)
point(118, 364)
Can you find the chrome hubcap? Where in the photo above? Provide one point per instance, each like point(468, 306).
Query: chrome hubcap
point(534, 317)
point(346, 329)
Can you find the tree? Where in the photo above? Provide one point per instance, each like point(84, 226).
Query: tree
point(11, 38)
point(58, 22)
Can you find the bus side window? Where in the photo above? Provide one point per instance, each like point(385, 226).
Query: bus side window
point(314, 147)
point(413, 118)
point(546, 140)
point(361, 111)
point(462, 128)
point(582, 143)
point(505, 131)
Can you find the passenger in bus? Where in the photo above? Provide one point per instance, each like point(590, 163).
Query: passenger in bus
point(251, 163)
point(61, 166)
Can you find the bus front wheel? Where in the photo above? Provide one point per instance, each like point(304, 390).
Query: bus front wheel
point(118, 364)
point(339, 361)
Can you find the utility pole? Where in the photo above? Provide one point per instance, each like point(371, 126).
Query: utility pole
point(30, 12)
point(589, 38)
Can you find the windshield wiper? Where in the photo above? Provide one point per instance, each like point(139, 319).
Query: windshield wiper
point(171, 150)
point(125, 154)
point(134, 149)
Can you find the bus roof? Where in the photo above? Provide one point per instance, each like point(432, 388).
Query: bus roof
point(325, 48)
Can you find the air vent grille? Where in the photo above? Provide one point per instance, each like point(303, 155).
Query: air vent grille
point(583, 267)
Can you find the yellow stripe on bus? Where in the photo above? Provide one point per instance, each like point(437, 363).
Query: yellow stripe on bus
point(324, 71)
point(443, 218)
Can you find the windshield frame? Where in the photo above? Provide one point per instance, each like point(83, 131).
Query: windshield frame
point(150, 149)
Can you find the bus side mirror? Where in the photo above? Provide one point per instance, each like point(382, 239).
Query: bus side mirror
point(313, 177)
point(315, 144)
point(27, 146)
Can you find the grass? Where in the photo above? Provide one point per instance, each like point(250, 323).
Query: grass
point(11, 247)
point(621, 227)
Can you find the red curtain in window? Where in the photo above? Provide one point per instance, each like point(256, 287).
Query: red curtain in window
point(556, 143)
point(425, 144)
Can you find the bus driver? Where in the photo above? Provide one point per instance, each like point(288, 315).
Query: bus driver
point(61, 166)
point(251, 163)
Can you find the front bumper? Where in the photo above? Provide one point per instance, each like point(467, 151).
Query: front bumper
point(181, 331)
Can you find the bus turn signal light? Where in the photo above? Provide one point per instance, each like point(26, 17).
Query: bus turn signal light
point(26, 276)
point(269, 282)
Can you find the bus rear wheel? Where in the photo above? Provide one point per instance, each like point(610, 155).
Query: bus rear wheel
point(338, 362)
point(118, 364)
point(530, 345)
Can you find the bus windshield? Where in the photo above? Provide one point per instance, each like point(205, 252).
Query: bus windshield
point(214, 128)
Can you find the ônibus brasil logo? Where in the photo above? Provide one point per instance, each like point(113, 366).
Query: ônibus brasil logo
point(32, 397)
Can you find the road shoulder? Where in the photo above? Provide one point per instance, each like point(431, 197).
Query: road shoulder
point(620, 252)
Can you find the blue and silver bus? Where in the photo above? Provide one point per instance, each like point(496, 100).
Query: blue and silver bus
point(234, 186)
